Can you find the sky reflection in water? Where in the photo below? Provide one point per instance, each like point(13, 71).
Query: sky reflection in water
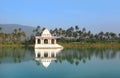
point(72, 63)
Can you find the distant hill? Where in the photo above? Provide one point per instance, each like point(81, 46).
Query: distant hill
point(8, 28)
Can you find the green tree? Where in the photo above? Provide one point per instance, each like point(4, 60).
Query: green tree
point(15, 35)
point(1, 34)
point(107, 36)
point(83, 30)
point(60, 32)
point(37, 31)
point(55, 32)
point(76, 33)
point(19, 33)
point(0, 29)
point(119, 35)
point(89, 34)
point(100, 35)
point(113, 35)
point(69, 32)
point(77, 28)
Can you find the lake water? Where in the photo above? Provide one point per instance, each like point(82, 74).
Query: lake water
point(56, 63)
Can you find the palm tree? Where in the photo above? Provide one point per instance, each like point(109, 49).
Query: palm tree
point(76, 28)
point(43, 28)
point(7, 37)
point(83, 30)
point(69, 32)
point(15, 35)
point(37, 31)
point(15, 31)
point(55, 32)
point(19, 29)
point(107, 35)
point(38, 28)
point(60, 31)
point(0, 29)
point(75, 34)
point(63, 32)
point(80, 34)
point(96, 36)
point(51, 31)
point(119, 35)
point(100, 35)
point(1, 34)
point(23, 34)
point(89, 34)
point(19, 33)
point(83, 35)
point(113, 35)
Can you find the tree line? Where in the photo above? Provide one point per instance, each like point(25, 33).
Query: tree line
point(16, 35)
point(72, 56)
point(76, 34)
point(71, 34)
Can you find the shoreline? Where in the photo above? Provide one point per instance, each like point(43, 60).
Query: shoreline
point(72, 45)
point(90, 45)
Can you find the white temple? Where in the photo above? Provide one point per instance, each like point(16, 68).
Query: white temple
point(46, 40)
point(45, 56)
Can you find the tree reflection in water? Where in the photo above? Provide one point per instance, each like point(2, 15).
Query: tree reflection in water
point(15, 55)
point(73, 56)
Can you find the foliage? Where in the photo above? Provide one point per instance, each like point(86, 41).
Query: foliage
point(71, 34)
point(11, 38)
point(75, 34)
point(76, 56)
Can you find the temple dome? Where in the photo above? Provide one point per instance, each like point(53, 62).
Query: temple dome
point(46, 62)
point(46, 33)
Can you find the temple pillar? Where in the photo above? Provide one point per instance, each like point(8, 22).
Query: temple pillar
point(41, 41)
point(36, 53)
point(42, 54)
point(36, 41)
point(49, 41)
point(49, 54)
point(54, 54)
point(54, 41)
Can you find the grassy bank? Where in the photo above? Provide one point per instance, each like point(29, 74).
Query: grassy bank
point(16, 45)
point(90, 45)
point(70, 45)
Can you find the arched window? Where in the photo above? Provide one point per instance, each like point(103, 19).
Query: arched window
point(45, 54)
point(52, 41)
point(39, 41)
point(38, 55)
point(46, 41)
point(52, 54)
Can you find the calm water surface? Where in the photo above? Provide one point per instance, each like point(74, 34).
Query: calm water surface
point(56, 63)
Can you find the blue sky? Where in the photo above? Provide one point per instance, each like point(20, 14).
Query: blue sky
point(94, 15)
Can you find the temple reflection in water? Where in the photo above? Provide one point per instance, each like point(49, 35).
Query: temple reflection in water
point(45, 56)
